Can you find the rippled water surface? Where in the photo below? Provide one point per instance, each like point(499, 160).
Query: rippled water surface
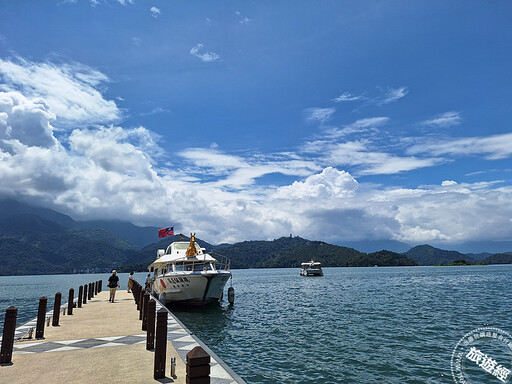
point(353, 325)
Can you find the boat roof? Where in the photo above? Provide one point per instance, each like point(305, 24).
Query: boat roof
point(315, 263)
point(175, 252)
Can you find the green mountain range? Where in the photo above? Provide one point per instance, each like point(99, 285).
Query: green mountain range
point(35, 240)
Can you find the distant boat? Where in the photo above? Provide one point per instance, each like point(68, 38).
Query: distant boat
point(186, 274)
point(312, 268)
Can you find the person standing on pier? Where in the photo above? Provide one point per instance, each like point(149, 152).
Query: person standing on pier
point(130, 282)
point(113, 283)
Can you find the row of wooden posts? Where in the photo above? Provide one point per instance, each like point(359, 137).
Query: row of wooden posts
point(85, 292)
point(198, 360)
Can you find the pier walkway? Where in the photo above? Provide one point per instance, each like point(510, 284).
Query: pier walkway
point(103, 342)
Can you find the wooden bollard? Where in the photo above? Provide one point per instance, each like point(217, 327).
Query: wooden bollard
point(137, 298)
point(161, 344)
point(80, 296)
point(145, 311)
point(101, 285)
point(150, 335)
point(41, 317)
point(56, 309)
point(137, 295)
point(198, 366)
point(8, 335)
point(97, 285)
point(85, 293)
point(71, 297)
point(141, 302)
point(90, 291)
point(134, 291)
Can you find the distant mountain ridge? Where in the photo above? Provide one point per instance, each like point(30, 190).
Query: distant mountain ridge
point(42, 241)
point(139, 236)
point(35, 240)
point(282, 253)
point(428, 255)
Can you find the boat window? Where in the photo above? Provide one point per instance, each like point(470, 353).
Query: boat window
point(180, 246)
point(156, 271)
point(179, 268)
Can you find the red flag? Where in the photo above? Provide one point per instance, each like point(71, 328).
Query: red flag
point(166, 232)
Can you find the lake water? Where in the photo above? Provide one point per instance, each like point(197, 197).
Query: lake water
point(353, 325)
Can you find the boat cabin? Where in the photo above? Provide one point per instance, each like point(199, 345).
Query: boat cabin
point(175, 259)
point(312, 268)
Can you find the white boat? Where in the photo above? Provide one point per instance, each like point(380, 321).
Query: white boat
point(312, 268)
point(186, 274)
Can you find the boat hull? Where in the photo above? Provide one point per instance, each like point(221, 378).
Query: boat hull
point(312, 272)
point(190, 288)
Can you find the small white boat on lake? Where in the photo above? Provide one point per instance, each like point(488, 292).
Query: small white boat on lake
point(186, 274)
point(311, 268)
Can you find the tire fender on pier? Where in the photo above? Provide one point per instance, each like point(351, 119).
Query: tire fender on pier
point(231, 295)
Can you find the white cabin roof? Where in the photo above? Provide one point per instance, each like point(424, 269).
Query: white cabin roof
point(312, 264)
point(177, 252)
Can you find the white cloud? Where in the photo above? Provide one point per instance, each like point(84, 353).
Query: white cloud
point(492, 147)
point(329, 183)
point(319, 114)
point(155, 12)
point(347, 96)
point(215, 160)
point(368, 158)
point(69, 90)
point(207, 57)
point(361, 125)
point(446, 119)
point(114, 172)
point(26, 121)
point(390, 95)
point(155, 111)
point(136, 41)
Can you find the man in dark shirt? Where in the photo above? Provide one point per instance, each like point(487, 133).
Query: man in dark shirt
point(113, 283)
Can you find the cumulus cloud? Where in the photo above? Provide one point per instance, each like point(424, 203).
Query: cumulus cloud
point(207, 57)
point(69, 90)
point(108, 171)
point(25, 121)
point(155, 12)
point(329, 183)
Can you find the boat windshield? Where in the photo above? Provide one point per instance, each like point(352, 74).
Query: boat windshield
point(194, 267)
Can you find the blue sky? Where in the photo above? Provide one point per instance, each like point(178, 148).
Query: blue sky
point(332, 120)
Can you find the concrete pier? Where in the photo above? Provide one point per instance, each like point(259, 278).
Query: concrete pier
point(104, 342)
